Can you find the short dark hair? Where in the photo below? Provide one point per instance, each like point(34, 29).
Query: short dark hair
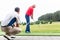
point(17, 9)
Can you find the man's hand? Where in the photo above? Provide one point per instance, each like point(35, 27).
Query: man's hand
point(17, 25)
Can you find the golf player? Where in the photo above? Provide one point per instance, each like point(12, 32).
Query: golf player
point(10, 24)
point(27, 16)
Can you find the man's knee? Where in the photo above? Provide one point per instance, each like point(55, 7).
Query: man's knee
point(19, 30)
point(16, 30)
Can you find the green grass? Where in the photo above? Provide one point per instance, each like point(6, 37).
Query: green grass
point(41, 29)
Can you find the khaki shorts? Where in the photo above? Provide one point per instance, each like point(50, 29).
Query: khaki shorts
point(9, 29)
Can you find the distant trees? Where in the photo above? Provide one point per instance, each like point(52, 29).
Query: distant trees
point(31, 23)
point(50, 17)
point(46, 17)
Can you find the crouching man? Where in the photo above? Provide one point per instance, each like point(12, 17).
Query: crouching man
point(10, 24)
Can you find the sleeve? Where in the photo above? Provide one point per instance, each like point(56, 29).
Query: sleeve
point(18, 20)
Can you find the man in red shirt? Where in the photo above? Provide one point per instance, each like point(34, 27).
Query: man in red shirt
point(27, 16)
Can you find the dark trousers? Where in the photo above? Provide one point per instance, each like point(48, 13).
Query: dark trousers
point(28, 23)
point(12, 22)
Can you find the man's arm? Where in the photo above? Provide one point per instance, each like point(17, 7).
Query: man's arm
point(32, 13)
point(32, 16)
point(17, 21)
point(17, 24)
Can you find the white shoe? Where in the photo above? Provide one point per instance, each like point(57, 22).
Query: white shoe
point(7, 37)
point(12, 36)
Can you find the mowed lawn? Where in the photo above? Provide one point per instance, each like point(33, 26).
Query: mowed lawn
point(41, 29)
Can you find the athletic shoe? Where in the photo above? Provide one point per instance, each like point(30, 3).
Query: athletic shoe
point(12, 36)
point(7, 37)
point(27, 32)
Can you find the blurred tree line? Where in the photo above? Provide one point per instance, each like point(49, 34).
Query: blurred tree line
point(31, 23)
point(50, 17)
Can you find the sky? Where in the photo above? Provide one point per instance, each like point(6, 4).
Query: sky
point(42, 7)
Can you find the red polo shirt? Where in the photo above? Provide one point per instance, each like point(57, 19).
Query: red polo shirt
point(29, 11)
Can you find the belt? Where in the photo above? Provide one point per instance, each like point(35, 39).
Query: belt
point(4, 26)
